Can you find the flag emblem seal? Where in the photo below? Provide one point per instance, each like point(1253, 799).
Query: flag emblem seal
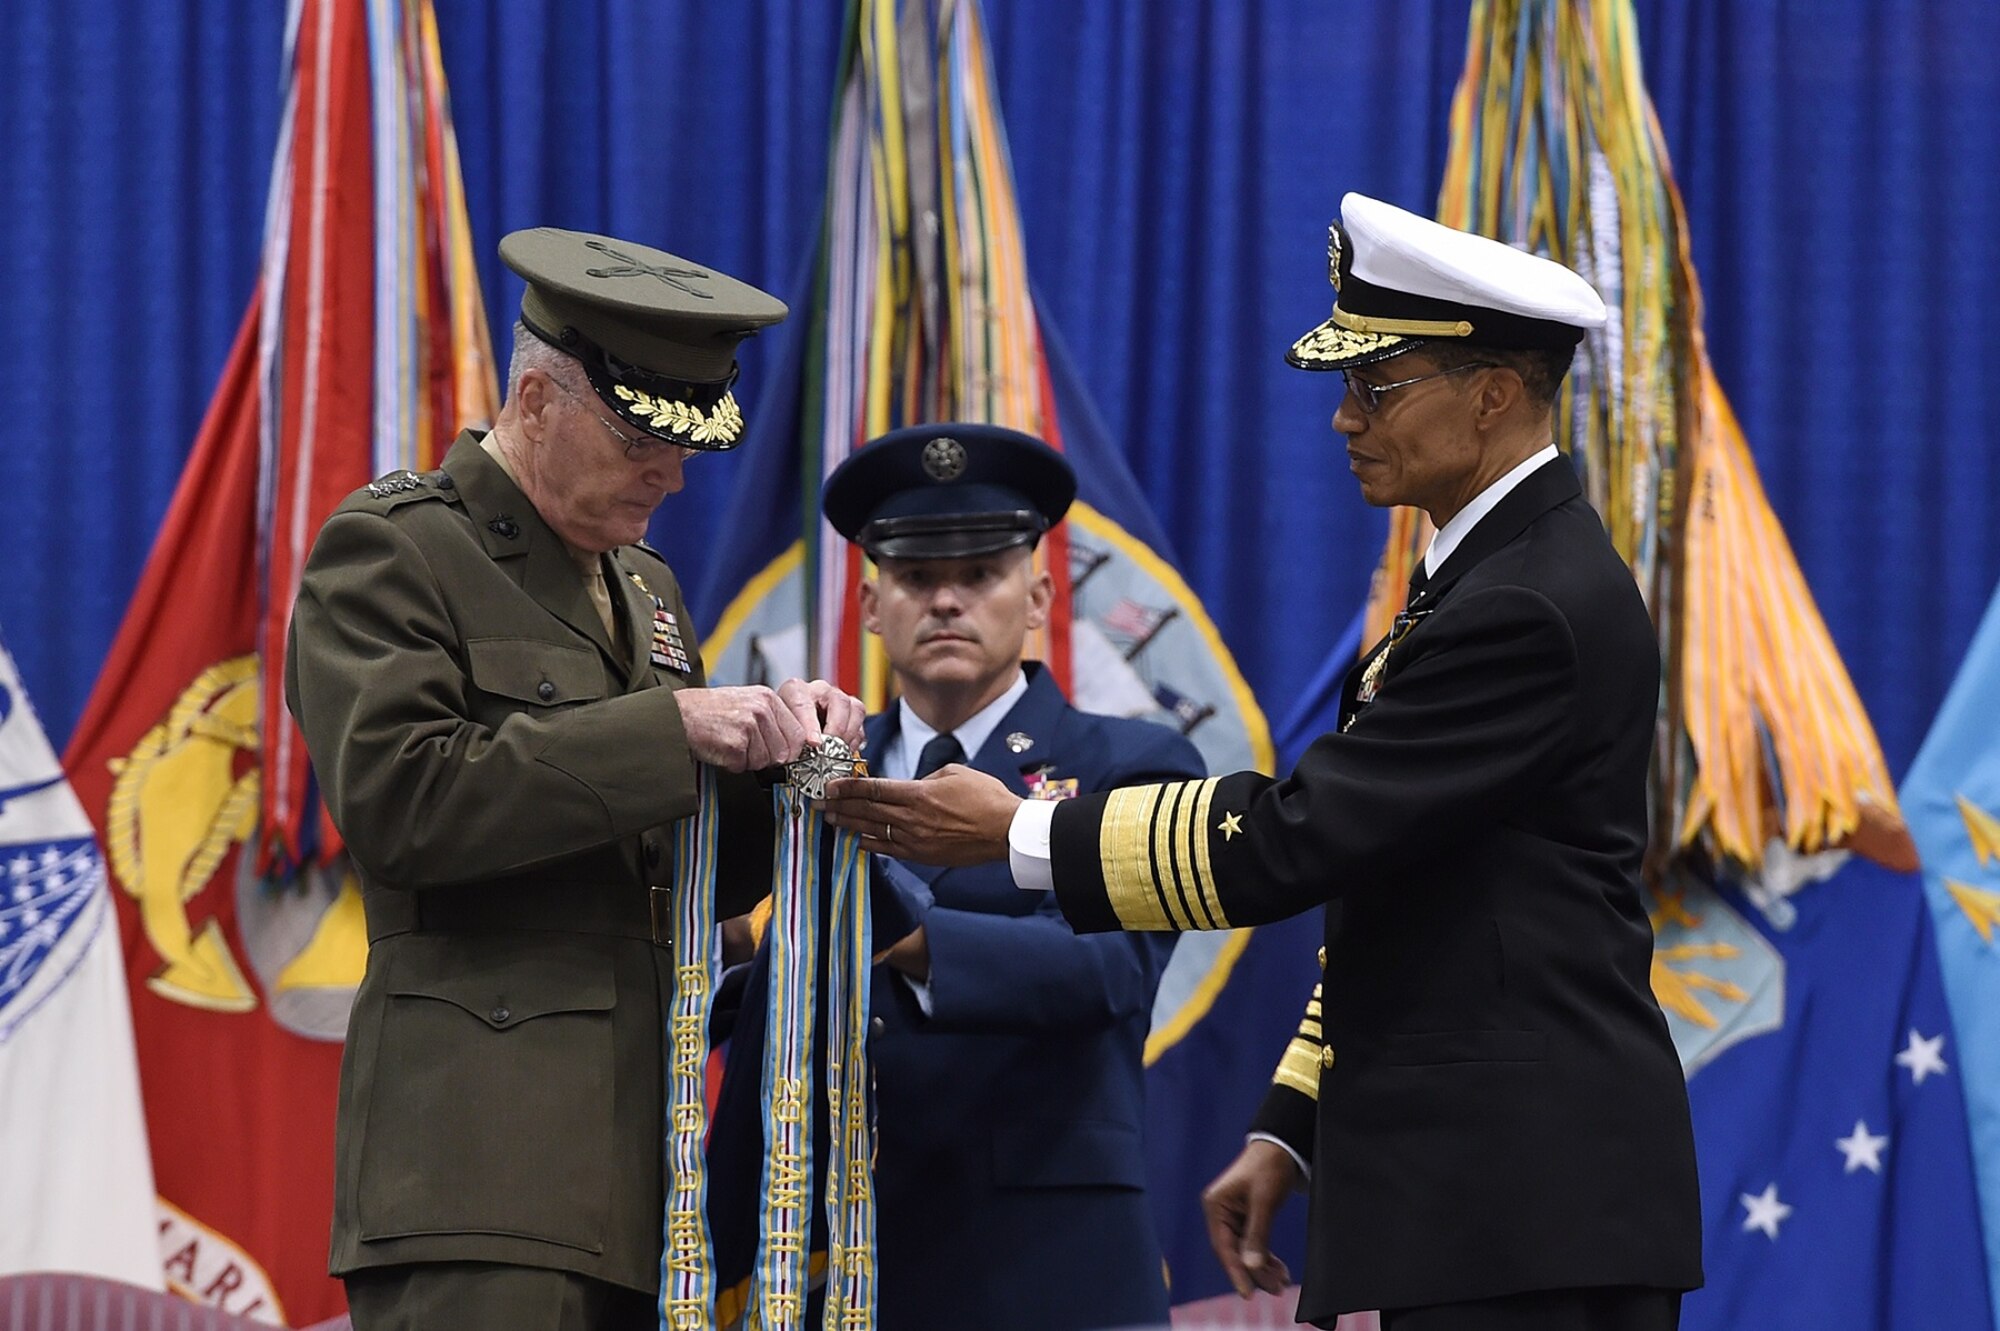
point(51, 887)
point(51, 903)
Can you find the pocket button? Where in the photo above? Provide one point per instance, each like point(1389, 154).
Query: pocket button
point(500, 1016)
point(546, 691)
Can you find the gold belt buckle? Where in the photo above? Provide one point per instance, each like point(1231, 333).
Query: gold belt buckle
point(662, 904)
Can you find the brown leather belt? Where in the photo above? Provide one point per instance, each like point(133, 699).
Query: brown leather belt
point(622, 912)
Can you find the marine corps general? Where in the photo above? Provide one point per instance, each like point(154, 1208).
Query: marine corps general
point(504, 704)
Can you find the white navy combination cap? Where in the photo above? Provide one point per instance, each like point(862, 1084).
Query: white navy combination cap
point(1399, 279)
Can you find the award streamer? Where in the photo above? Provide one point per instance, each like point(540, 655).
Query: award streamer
point(850, 1184)
point(779, 1277)
point(687, 1264)
point(819, 908)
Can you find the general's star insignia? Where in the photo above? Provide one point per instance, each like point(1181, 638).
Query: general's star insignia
point(1231, 824)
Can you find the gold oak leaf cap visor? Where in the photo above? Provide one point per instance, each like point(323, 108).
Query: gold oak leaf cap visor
point(1400, 279)
point(655, 334)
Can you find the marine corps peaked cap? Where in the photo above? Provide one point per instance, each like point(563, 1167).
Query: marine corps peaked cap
point(655, 334)
point(948, 491)
point(1400, 279)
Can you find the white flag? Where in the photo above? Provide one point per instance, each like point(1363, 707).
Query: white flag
point(74, 1166)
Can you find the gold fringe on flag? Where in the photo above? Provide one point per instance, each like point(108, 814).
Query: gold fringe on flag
point(923, 288)
point(1555, 147)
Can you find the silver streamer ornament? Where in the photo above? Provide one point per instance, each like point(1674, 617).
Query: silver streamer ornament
point(829, 760)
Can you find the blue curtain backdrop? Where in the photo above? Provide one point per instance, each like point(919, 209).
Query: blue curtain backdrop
point(1177, 166)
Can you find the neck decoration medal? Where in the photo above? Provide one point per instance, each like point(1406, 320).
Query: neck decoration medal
point(1371, 674)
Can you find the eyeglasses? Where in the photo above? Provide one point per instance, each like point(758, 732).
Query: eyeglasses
point(1369, 396)
point(635, 449)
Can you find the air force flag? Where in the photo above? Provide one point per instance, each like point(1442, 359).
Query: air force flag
point(79, 1190)
point(1952, 799)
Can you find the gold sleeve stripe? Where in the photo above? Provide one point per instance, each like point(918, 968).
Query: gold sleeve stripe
point(1124, 850)
point(1153, 850)
point(1204, 872)
point(1309, 1027)
point(1299, 1068)
point(1166, 873)
point(1180, 857)
point(1182, 842)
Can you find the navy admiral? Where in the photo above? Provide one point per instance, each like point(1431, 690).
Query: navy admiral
point(504, 703)
point(1007, 1048)
point(1486, 1099)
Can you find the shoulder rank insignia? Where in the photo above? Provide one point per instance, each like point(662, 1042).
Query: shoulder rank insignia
point(395, 483)
point(668, 652)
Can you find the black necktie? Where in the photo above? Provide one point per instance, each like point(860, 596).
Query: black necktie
point(941, 749)
point(1419, 579)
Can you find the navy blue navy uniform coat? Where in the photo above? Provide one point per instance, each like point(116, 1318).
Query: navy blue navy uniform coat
point(1498, 1107)
point(1010, 1170)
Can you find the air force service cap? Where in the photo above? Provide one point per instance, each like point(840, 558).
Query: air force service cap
point(655, 334)
point(948, 491)
point(1399, 279)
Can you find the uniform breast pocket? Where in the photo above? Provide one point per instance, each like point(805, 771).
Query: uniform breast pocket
point(532, 673)
point(493, 1091)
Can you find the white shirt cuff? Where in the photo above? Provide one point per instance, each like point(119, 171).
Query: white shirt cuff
point(1028, 846)
point(1305, 1170)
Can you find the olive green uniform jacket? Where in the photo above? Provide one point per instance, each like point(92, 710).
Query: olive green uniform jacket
point(505, 781)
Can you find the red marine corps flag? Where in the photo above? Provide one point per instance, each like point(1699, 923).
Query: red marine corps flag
point(364, 350)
